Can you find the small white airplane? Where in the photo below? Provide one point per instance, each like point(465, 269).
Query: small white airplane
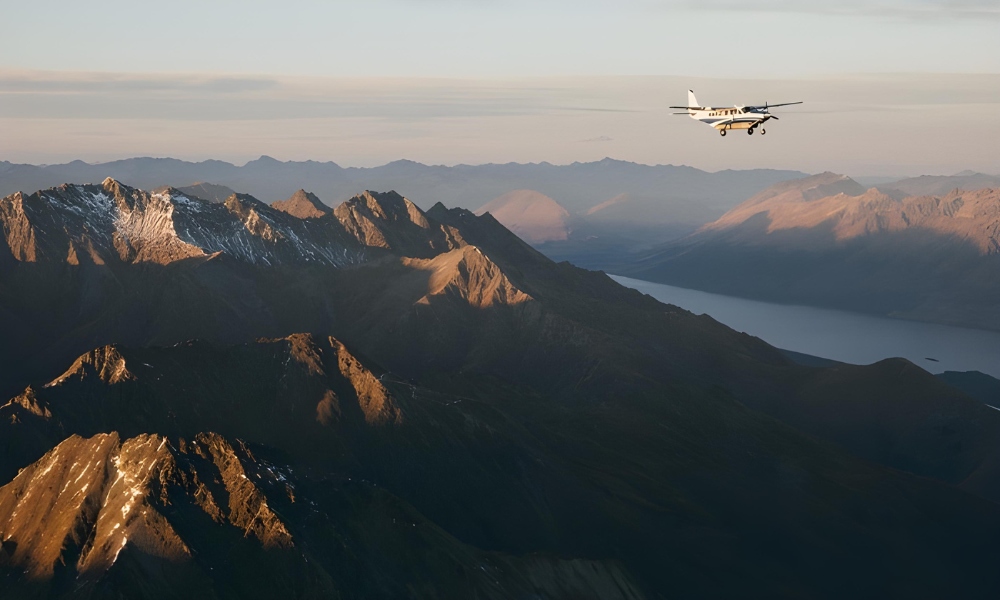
point(730, 117)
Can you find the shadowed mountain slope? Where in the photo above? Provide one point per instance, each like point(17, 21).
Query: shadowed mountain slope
point(977, 385)
point(536, 425)
point(157, 518)
point(499, 467)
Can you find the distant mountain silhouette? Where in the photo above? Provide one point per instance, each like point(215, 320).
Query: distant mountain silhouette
point(533, 216)
point(939, 185)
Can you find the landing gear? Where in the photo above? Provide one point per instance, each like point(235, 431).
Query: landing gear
point(722, 132)
point(763, 131)
point(750, 131)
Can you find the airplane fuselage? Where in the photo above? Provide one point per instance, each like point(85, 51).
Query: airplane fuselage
point(732, 117)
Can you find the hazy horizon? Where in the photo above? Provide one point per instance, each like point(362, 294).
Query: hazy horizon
point(863, 125)
point(243, 163)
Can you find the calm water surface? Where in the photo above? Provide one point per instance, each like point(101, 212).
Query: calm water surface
point(844, 336)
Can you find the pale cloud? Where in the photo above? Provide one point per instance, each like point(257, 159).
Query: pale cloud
point(862, 8)
point(502, 38)
point(82, 82)
point(197, 97)
point(877, 8)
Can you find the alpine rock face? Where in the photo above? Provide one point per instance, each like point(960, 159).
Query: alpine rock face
point(115, 223)
point(232, 400)
point(88, 501)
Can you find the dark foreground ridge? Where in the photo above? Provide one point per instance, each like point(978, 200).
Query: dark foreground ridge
point(465, 419)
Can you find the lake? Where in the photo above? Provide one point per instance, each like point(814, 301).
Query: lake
point(839, 335)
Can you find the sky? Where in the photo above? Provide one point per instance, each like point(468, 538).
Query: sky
point(891, 87)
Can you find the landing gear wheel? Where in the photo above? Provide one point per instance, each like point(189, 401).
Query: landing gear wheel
point(750, 131)
point(722, 132)
point(763, 131)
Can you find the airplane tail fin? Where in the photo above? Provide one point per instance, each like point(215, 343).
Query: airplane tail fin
point(691, 108)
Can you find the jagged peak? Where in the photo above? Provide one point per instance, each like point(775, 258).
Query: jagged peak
point(387, 206)
point(119, 190)
point(469, 274)
point(304, 195)
point(89, 499)
point(264, 160)
point(327, 356)
point(242, 201)
point(871, 195)
point(17, 196)
point(304, 205)
point(439, 212)
point(106, 363)
point(28, 400)
point(111, 222)
point(438, 207)
point(303, 348)
point(405, 162)
point(390, 221)
point(254, 215)
point(374, 399)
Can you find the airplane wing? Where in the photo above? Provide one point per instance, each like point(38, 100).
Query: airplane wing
point(773, 105)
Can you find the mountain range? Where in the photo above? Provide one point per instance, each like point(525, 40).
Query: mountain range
point(826, 241)
point(614, 205)
point(233, 399)
point(661, 193)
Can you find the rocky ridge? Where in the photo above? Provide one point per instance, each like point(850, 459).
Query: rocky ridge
point(847, 211)
point(193, 512)
point(825, 241)
point(113, 224)
point(466, 410)
point(89, 504)
point(316, 384)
